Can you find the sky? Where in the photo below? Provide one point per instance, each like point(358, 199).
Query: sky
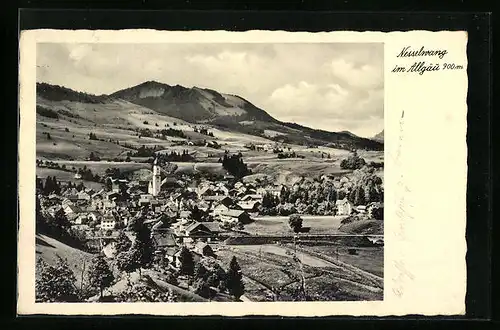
point(330, 86)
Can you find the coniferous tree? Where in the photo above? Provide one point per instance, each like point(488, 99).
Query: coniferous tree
point(234, 279)
point(187, 262)
point(123, 243)
point(144, 246)
point(100, 276)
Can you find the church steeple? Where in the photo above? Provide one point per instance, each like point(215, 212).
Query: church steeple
point(156, 180)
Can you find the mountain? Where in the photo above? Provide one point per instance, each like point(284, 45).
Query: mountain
point(232, 112)
point(349, 133)
point(195, 105)
point(205, 106)
point(379, 137)
point(60, 93)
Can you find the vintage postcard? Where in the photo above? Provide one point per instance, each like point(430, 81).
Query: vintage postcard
point(242, 173)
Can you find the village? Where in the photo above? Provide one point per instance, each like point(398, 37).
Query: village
point(202, 216)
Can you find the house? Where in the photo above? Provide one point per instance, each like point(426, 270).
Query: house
point(252, 198)
point(185, 215)
point(235, 216)
point(71, 210)
point(204, 206)
point(80, 227)
point(361, 209)
point(221, 187)
point(275, 190)
point(204, 249)
point(145, 199)
point(110, 195)
point(108, 221)
point(261, 191)
point(78, 176)
point(197, 229)
point(219, 209)
point(205, 191)
point(118, 185)
point(344, 207)
point(54, 198)
point(83, 196)
point(84, 218)
point(376, 240)
point(54, 209)
point(172, 254)
point(250, 205)
point(108, 204)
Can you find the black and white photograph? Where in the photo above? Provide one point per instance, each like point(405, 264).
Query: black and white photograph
point(209, 172)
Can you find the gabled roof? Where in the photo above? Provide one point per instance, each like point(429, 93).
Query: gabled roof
point(73, 208)
point(248, 205)
point(212, 226)
point(233, 213)
point(201, 245)
point(342, 201)
point(197, 225)
point(214, 198)
point(185, 214)
point(172, 251)
point(251, 196)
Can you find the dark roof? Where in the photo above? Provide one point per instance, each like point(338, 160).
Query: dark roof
point(233, 213)
point(164, 239)
point(214, 198)
point(212, 226)
point(197, 225)
point(171, 251)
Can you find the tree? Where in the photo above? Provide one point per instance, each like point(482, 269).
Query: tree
point(295, 222)
point(61, 220)
point(268, 200)
point(123, 243)
point(55, 283)
point(234, 279)
point(187, 262)
point(128, 261)
point(100, 276)
point(200, 272)
point(202, 288)
point(144, 246)
point(49, 137)
point(378, 212)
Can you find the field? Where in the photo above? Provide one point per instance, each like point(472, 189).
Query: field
point(270, 225)
point(43, 172)
point(368, 259)
point(48, 249)
point(272, 274)
point(115, 124)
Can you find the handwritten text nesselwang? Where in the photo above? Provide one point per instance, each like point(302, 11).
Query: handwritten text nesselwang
point(422, 66)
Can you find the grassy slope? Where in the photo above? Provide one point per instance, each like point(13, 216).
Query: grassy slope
point(48, 249)
point(117, 120)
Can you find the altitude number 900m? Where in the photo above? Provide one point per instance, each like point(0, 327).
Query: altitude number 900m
point(451, 66)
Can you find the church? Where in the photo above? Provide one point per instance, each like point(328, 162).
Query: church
point(156, 183)
point(154, 187)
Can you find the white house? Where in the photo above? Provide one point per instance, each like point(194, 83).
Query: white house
point(344, 207)
point(219, 209)
point(108, 221)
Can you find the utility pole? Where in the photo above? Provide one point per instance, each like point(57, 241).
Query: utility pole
point(81, 281)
